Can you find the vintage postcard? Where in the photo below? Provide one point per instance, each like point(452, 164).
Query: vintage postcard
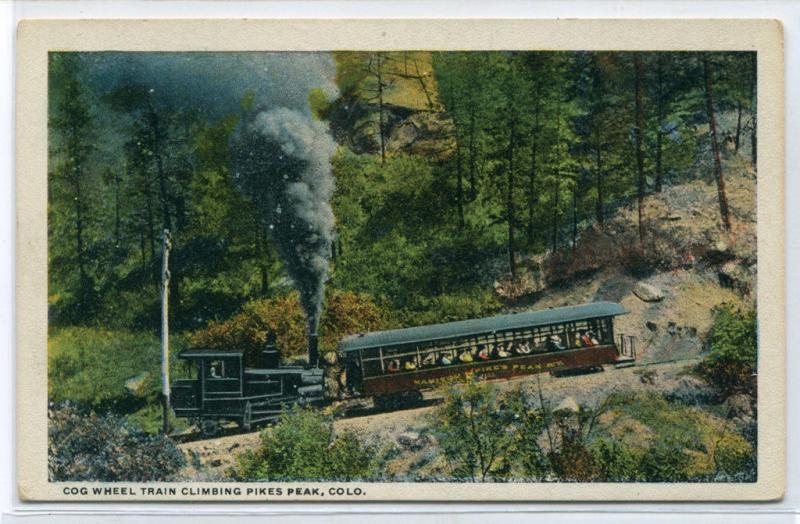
point(441, 260)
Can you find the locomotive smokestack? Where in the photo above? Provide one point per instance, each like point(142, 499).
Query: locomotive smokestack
point(313, 350)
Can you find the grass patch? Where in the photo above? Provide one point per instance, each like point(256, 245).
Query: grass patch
point(105, 370)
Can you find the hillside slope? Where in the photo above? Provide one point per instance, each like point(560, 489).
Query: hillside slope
point(689, 265)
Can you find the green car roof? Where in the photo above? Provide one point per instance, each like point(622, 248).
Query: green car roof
point(209, 353)
point(479, 326)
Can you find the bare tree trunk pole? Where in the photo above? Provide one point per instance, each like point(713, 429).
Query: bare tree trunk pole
point(637, 61)
point(512, 263)
point(165, 390)
point(754, 110)
point(380, 109)
point(712, 121)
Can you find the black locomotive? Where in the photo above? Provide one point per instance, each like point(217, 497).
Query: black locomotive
point(224, 389)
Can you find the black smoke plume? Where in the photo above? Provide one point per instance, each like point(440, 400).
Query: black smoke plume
point(282, 161)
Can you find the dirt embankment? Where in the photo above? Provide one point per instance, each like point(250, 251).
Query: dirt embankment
point(408, 430)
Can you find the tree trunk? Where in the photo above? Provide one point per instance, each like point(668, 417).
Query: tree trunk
point(738, 127)
point(753, 109)
point(422, 84)
point(712, 120)
point(261, 254)
point(512, 263)
point(532, 174)
point(151, 234)
point(379, 74)
point(459, 173)
point(156, 136)
point(459, 187)
point(165, 278)
point(142, 251)
point(117, 221)
point(575, 214)
point(532, 191)
point(79, 226)
point(659, 133)
point(556, 181)
point(639, 130)
point(599, 210)
point(471, 130)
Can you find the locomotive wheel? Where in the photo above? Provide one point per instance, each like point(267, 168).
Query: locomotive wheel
point(379, 401)
point(247, 417)
point(208, 427)
point(411, 398)
point(396, 400)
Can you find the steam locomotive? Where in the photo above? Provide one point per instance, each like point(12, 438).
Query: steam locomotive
point(394, 367)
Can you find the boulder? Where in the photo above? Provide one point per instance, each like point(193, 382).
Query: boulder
point(648, 376)
point(691, 391)
point(648, 292)
point(568, 404)
point(732, 275)
point(739, 406)
point(412, 441)
point(137, 385)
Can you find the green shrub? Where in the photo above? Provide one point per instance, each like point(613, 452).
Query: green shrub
point(731, 362)
point(735, 457)
point(344, 313)
point(572, 460)
point(614, 461)
point(530, 458)
point(665, 461)
point(303, 446)
point(679, 442)
point(475, 430)
point(85, 446)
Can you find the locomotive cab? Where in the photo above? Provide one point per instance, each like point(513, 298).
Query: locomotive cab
point(222, 388)
point(218, 378)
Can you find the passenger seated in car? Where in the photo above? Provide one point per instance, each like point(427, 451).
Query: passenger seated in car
point(502, 352)
point(484, 353)
point(465, 357)
point(429, 360)
point(394, 366)
point(554, 343)
point(593, 338)
point(522, 348)
point(445, 359)
point(586, 340)
point(409, 365)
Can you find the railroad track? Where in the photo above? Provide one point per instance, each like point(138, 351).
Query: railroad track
point(355, 408)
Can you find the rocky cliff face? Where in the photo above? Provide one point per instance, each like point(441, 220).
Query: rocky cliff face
point(407, 109)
